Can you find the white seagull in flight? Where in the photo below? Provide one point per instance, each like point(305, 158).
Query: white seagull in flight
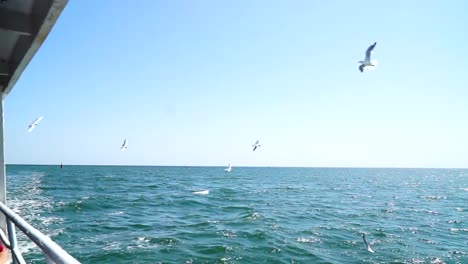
point(124, 145)
point(228, 169)
point(34, 124)
point(367, 245)
point(367, 61)
point(256, 145)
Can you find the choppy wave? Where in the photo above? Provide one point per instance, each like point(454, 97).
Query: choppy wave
point(253, 215)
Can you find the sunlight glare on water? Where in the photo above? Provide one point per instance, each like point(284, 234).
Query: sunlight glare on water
point(105, 214)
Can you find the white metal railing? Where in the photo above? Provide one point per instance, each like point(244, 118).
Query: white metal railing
point(53, 253)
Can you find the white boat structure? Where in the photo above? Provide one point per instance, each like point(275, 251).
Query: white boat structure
point(24, 26)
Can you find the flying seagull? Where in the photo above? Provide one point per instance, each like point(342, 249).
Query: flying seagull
point(256, 145)
point(367, 61)
point(367, 245)
point(124, 145)
point(228, 169)
point(34, 124)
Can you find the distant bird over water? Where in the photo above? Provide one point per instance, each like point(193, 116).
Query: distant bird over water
point(367, 61)
point(228, 169)
point(367, 245)
point(124, 145)
point(256, 145)
point(34, 124)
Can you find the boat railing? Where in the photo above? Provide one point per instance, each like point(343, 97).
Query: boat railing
point(24, 26)
point(53, 253)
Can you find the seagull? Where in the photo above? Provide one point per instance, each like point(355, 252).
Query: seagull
point(367, 245)
point(367, 61)
point(124, 145)
point(256, 145)
point(228, 169)
point(34, 124)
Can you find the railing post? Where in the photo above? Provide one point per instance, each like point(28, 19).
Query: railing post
point(53, 251)
point(3, 225)
point(17, 257)
point(3, 222)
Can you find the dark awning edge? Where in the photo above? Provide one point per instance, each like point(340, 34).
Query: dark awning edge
point(46, 26)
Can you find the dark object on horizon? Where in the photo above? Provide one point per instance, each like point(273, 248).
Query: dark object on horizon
point(61, 165)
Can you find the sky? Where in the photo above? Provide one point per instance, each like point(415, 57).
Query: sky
point(197, 82)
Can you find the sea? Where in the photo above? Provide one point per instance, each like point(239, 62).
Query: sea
point(133, 214)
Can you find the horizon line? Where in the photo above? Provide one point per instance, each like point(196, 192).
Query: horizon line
point(241, 166)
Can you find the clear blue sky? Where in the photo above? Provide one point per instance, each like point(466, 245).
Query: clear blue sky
point(197, 82)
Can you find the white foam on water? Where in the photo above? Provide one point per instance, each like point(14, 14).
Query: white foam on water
point(427, 241)
point(437, 261)
point(459, 229)
point(25, 245)
point(416, 261)
point(112, 245)
point(308, 239)
point(229, 234)
point(117, 213)
point(433, 197)
point(142, 239)
point(203, 192)
point(254, 216)
point(31, 204)
point(225, 260)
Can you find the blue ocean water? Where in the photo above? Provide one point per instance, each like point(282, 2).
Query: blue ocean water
point(110, 214)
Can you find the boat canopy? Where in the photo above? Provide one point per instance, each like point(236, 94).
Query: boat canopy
point(24, 25)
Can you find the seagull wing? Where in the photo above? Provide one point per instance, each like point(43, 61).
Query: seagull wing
point(367, 245)
point(369, 51)
point(38, 120)
point(34, 123)
point(361, 68)
point(255, 147)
